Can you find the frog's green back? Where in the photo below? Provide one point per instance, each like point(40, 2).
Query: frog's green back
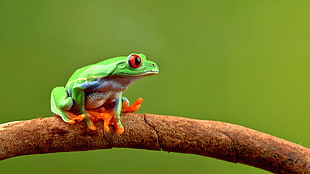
point(100, 69)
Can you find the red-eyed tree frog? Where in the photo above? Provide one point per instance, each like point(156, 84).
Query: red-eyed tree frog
point(94, 92)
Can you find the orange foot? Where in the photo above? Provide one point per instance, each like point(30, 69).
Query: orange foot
point(108, 116)
point(75, 118)
point(132, 108)
point(96, 116)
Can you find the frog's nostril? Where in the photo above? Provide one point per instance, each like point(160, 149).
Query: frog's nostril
point(153, 64)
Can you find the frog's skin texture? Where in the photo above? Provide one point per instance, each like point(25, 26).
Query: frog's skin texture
point(94, 92)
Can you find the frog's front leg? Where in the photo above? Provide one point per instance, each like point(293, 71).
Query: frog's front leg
point(122, 106)
point(61, 104)
point(117, 119)
point(78, 96)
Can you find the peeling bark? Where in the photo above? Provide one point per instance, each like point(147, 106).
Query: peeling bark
point(215, 139)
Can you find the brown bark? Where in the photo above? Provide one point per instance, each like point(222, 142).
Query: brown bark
point(158, 132)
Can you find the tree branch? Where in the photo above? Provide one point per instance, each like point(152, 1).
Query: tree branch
point(157, 132)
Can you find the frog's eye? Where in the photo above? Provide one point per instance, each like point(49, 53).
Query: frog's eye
point(134, 61)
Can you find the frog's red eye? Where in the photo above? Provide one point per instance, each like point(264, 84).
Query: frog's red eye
point(134, 61)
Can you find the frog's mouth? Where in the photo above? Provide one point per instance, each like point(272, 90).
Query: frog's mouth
point(145, 73)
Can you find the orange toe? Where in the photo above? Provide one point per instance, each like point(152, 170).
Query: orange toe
point(108, 116)
point(132, 108)
point(75, 117)
point(92, 127)
point(80, 117)
point(105, 116)
point(119, 130)
point(70, 122)
point(106, 126)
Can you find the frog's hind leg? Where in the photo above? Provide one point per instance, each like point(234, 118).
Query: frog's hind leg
point(61, 103)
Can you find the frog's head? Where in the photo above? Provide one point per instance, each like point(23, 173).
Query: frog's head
point(136, 65)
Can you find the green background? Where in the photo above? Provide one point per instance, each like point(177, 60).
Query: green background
point(242, 62)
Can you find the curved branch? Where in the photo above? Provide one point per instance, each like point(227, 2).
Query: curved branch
point(215, 139)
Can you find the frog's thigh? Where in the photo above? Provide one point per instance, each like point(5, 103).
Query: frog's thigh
point(60, 99)
point(61, 102)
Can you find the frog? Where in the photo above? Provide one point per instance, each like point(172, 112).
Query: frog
point(95, 92)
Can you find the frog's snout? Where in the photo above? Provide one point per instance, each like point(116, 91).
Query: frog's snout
point(154, 67)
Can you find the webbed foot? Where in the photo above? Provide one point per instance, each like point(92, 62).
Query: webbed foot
point(96, 116)
point(132, 108)
point(72, 118)
point(108, 116)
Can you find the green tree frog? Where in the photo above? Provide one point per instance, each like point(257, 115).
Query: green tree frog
point(94, 92)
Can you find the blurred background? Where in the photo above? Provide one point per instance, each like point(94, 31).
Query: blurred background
point(241, 62)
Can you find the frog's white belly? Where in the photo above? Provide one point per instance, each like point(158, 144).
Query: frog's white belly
point(95, 100)
point(108, 91)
